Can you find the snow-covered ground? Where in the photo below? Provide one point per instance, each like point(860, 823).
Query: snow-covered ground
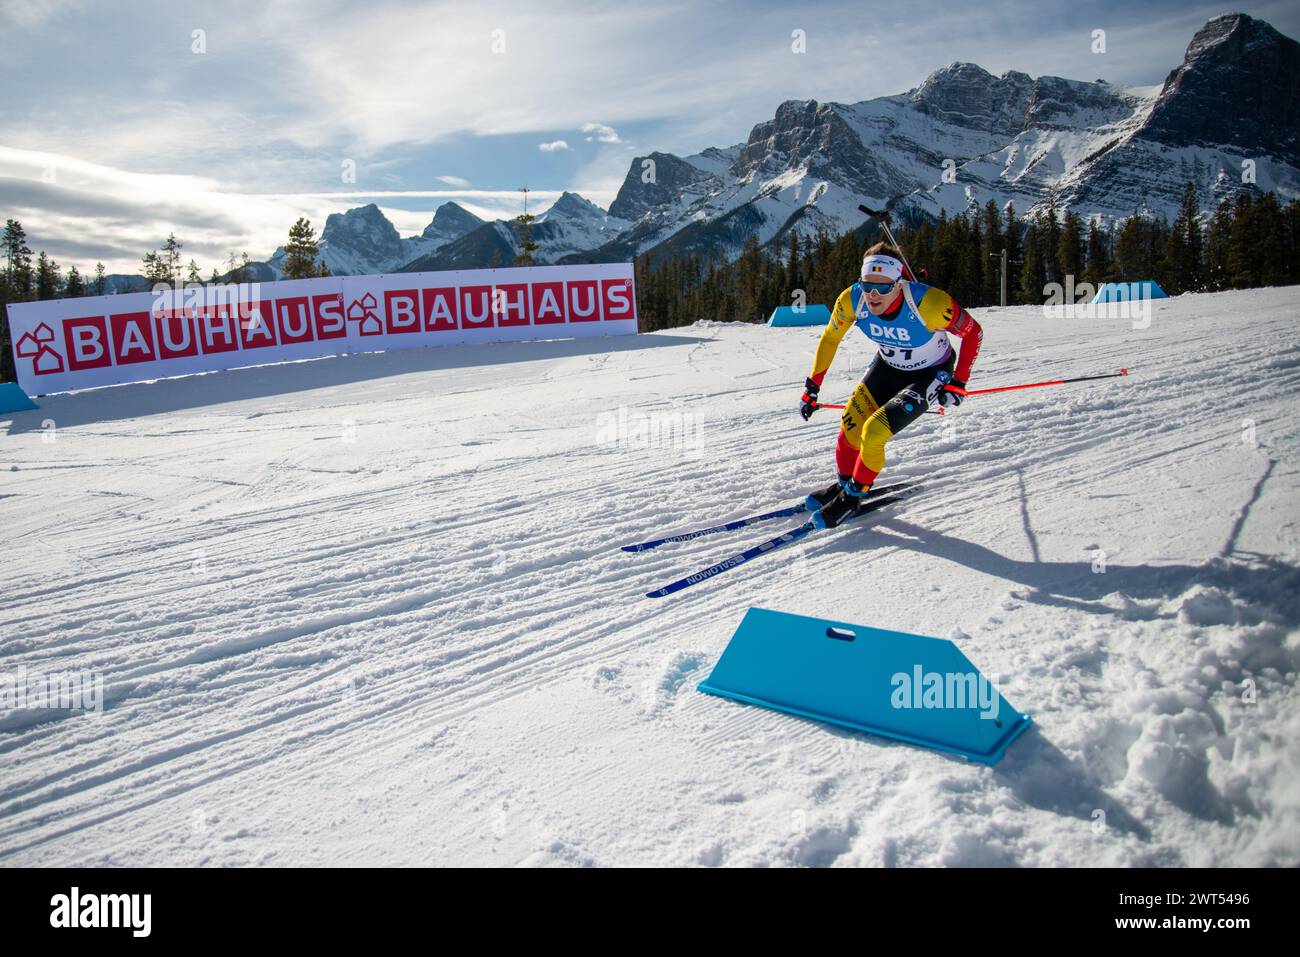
point(372, 610)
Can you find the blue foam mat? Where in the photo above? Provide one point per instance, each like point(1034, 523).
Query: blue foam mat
point(908, 687)
point(817, 315)
point(14, 399)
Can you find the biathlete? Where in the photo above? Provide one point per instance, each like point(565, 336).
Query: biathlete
point(911, 323)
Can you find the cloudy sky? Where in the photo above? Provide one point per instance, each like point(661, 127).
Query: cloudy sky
point(225, 121)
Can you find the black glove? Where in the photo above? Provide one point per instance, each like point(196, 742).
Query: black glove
point(809, 399)
point(953, 399)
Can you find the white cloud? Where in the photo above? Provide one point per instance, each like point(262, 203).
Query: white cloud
point(268, 111)
point(434, 81)
point(83, 211)
point(552, 146)
point(30, 13)
point(600, 133)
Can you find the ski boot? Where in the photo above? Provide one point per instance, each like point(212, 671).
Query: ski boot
point(846, 504)
point(816, 500)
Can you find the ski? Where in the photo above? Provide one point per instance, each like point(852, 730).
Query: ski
point(762, 549)
point(743, 522)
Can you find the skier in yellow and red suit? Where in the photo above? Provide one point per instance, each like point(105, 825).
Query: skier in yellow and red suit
point(910, 322)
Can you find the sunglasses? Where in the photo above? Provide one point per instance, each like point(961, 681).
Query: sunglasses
point(878, 287)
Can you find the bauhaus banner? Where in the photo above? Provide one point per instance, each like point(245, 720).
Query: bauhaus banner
point(69, 344)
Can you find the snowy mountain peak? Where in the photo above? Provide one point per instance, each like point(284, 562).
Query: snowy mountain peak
point(572, 206)
point(960, 139)
point(656, 183)
point(450, 221)
point(967, 95)
point(965, 137)
point(804, 135)
point(1238, 85)
point(364, 231)
point(573, 226)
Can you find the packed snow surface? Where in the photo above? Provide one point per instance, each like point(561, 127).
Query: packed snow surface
point(373, 610)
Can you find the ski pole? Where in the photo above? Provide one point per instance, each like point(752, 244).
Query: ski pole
point(823, 405)
point(883, 216)
point(1035, 385)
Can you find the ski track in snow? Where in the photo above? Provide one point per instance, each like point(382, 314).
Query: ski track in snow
point(373, 610)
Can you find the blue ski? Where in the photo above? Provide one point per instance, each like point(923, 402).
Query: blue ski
point(762, 549)
point(743, 522)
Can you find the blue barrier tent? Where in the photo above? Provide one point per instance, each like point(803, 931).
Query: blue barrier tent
point(808, 316)
point(1128, 291)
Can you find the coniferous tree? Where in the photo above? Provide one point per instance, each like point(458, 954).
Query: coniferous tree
point(1097, 270)
point(1069, 250)
point(20, 277)
point(100, 284)
point(49, 281)
point(171, 258)
point(793, 270)
point(1033, 272)
point(238, 268)
point(1128, 249)
point(1012, 240)
point(921, 250)
point(1191, 217)
point(1251, 241)
point(301, 251)
point(155, 269)
point(1291, 244)
point(1049, 232)
point(1268, 225)
point(1218, 239)
point(1243, 256)
point(1172, 273)
point(1156, 236)
point(973, 262)
point(991, 255)
point(1182, 253)
point(527, 245)
point(75, 287)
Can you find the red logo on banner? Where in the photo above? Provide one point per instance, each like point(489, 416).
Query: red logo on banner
point(328, 318)
point(175, 334)
point(293, 316)
point(256, 325)
point(362, 311)
point(548, 302)
point(617, 297)
point(35, 345)
point(402, 310)
point(441, 309)
point(171, 329)
point(132, 338)
point(216, 326)
point(87, 343)
point(510, 304)
point(475, 307)
point(584, 301)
